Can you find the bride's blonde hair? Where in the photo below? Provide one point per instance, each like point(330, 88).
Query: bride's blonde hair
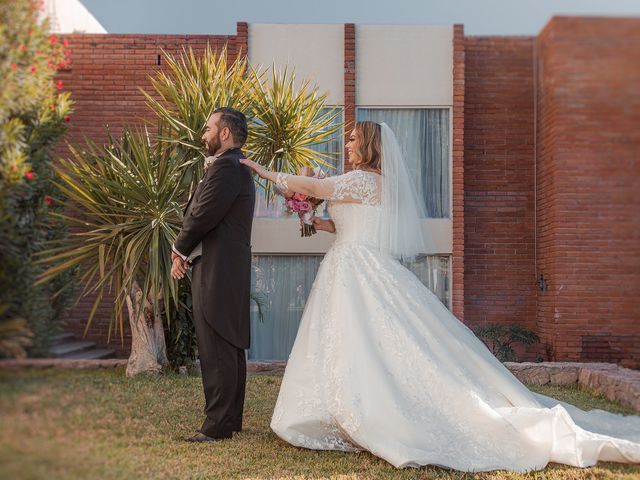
point(370, 145)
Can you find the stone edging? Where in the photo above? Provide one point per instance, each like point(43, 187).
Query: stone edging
point(615, 382)
point(63, 363)
point(252, 366)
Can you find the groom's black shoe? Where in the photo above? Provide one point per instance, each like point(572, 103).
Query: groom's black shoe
point(201, 437)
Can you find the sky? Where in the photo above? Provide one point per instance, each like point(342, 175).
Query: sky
point(480, 17)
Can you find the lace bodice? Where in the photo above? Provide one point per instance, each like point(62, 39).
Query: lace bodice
point(354, 207)
point(357, 186)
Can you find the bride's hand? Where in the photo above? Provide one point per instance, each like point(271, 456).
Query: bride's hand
point(256, 167)
point(326, 225)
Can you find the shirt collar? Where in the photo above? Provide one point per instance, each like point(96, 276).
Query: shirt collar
point(209, 160)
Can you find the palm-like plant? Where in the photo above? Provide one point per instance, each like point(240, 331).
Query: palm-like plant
point(123, 198)
point(287, 121)
point(193, 88)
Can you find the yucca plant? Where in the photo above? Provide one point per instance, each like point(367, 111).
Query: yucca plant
point(288, 119)
point(124, 200)
point(285, 118)
point(194, 86)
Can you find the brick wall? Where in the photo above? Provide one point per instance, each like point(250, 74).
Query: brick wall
point(588, 140)
point(499, 281)
point(106, 74)
point(552, 132)
point(458, 173)
point(349, 83)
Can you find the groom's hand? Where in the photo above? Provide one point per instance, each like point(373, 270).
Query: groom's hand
point(178, 268)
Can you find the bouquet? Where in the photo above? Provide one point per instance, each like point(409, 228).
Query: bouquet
point(304, 205)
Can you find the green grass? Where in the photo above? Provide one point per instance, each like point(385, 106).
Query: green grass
point(98, 424)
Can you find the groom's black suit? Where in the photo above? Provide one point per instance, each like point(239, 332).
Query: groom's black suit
point(220, 215)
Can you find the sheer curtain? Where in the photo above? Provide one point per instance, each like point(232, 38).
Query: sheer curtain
point(282, 282)
point(334, 147)
point(434, 272)
point(423, 135)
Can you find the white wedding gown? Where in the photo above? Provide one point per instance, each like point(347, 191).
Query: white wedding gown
point(380, 364)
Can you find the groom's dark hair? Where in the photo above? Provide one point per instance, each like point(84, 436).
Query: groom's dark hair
point(235, 121)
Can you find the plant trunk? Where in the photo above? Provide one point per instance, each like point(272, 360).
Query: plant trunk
point(148, 348)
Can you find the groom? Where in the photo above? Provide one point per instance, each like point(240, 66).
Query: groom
point(215, 240)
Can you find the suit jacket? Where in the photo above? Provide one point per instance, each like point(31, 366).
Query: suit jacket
point(220, 215)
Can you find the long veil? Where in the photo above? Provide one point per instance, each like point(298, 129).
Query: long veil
point(403, 211)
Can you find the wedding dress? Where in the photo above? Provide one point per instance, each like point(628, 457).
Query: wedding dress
point(380, 364)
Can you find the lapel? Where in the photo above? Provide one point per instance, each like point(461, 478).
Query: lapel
point(231, 153)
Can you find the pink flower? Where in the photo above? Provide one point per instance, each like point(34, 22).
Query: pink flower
point(28, 175)
point(48, 199)
point(59, 85)
point(305, 206)
point(14, 66)
point(53, 39)
point(291, 204)
point(67, 118)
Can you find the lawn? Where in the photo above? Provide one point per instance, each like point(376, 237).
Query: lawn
point(98, 424)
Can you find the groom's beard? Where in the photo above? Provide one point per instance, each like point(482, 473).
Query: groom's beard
point(213, 146)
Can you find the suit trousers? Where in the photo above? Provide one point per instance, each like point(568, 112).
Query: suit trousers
point(224, 371)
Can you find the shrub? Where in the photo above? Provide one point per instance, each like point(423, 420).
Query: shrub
point(33, 115)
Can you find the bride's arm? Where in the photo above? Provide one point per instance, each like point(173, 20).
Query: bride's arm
point(314, 187)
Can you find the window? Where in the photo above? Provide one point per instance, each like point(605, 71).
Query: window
point(282, 282)
point(434, 272)
point(423, 135)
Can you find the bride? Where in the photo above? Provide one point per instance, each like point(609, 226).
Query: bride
point(380, 364)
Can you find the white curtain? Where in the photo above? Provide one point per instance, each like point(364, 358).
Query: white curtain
point(283, 283)
point(334, 147)
point(423, 135)
point(434, 272)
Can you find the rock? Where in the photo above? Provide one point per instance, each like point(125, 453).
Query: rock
point(530, 373)
point(563, 376)
point(63, 363)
